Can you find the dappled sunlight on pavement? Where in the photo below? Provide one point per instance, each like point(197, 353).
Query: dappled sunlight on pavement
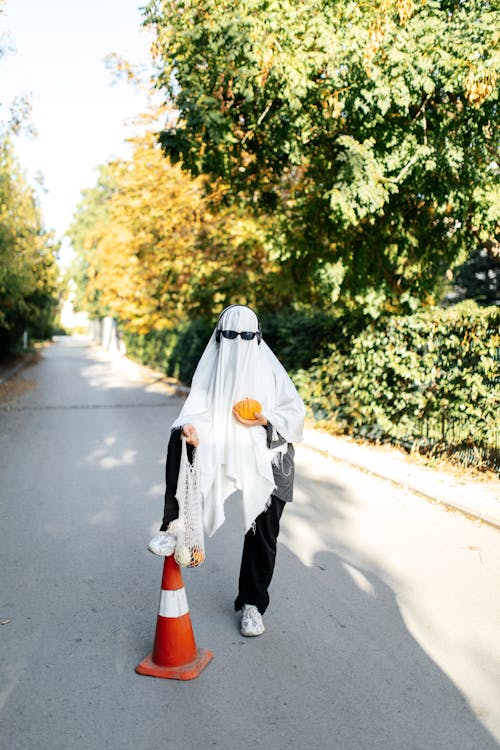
point(442, 581)
point(379, 630)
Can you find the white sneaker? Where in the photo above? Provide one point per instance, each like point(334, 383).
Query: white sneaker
point(251, 621)
point(163, 544)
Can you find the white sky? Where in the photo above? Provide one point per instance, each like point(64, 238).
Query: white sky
point(59, 50)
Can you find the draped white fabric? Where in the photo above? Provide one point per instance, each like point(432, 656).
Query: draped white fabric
point(233, 456)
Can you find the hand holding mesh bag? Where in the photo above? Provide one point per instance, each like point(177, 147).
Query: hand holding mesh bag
point(190, 548)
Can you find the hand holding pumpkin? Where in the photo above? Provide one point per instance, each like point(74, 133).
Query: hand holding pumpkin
point(248, 412)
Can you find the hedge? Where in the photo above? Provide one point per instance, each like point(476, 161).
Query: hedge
point(296, 336)
point(429, 380)
point(174, 352)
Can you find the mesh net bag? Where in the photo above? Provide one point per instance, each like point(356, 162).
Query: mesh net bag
point(190, 548)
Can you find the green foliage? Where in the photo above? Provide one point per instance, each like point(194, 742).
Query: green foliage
point(432, 376)
point(369, 128)
point(429, 380)
point(29, 286)
point(298, 336)
point(174, 352)
point(92, 212)
point(28, 271)
point(152, 249)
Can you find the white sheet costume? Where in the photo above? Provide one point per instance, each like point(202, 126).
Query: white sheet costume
point(234, 456)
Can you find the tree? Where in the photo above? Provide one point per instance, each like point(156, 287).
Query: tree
point(28, 270)
point(89, 222)
point(153, 248)
point(368, 128)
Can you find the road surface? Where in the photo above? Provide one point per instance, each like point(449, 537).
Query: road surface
point(383, 628)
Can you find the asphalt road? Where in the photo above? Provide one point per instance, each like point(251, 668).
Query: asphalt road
point(382, 633)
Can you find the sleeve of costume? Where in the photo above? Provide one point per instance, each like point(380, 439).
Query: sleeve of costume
point(288, 411)
point(171, 506)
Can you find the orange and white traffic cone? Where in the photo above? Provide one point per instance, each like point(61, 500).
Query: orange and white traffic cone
point(174, 654)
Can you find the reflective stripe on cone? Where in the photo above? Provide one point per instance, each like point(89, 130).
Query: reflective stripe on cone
point(173, 603)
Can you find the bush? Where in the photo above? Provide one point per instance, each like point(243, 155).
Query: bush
point(299, 336)
point(174, 352)
point(296, 337)
point(429, 378)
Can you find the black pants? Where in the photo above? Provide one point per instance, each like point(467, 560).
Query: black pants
point(171, 506)
point(259, 556)
point(259, 549)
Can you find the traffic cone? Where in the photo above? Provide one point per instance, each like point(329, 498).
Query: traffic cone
point(174, 654)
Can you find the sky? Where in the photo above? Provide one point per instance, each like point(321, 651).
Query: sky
point(80, 115)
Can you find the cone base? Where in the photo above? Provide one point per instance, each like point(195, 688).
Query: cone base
point(182, 672)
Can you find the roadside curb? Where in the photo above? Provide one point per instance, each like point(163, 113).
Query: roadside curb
point(9, 373)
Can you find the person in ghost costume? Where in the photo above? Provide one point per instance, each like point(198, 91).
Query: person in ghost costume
point(254, 456)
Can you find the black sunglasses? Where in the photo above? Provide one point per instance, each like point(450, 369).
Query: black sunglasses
point(245, 335)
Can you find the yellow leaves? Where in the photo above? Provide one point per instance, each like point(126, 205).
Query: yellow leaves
point(168, 245)
point(405, 10)
point(333, 106)
point(478, 87)
point(376, 35)
point(382, 24)
point(267, 61)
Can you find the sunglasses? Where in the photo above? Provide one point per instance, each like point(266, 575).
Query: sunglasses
point(245, 335)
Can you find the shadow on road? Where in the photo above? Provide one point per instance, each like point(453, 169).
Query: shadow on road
point(337, 668)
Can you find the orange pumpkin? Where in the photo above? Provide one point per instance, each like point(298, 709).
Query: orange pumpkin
point(248, 408)
point(197, 557)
